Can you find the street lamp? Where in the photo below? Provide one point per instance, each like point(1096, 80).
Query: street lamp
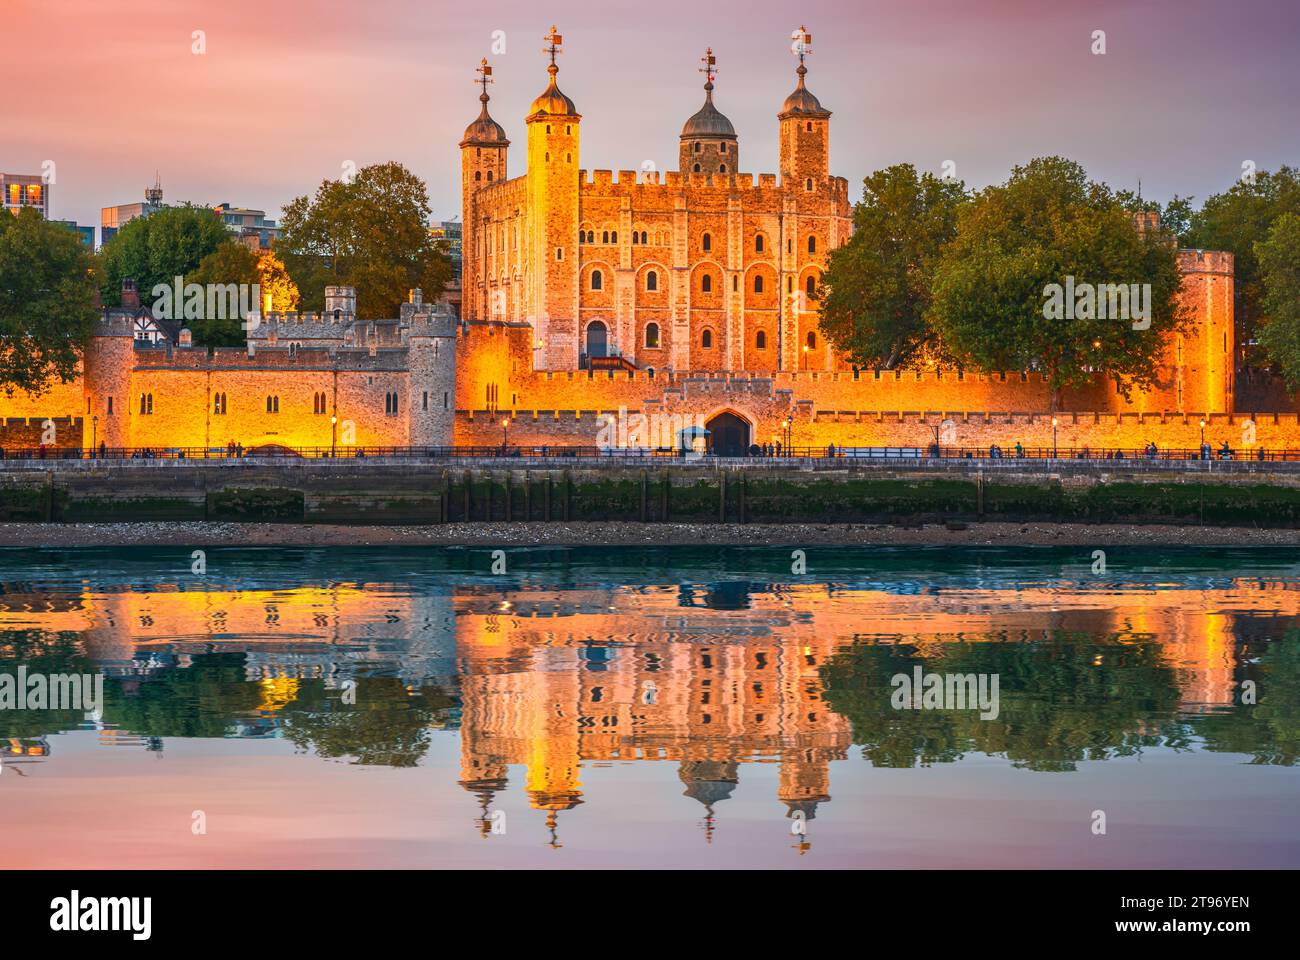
point(334, 432)
point(805, 356)
point(505, 436)
point(1053, 438)
point(94, 435)
point(789, 434)
point(1202, 450)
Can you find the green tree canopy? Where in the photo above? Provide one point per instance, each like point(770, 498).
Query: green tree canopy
point(1016, 246)
point(875, 293)
point(1235, 221)
point(47, 301)
point(232, 262)
point(157, 249)
point(1278, 257)
point(370, 232)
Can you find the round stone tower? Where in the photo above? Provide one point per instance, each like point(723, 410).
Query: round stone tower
point(107, 365)
point(431, 362)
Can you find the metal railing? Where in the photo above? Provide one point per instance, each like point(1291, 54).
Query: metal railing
point(827, 454)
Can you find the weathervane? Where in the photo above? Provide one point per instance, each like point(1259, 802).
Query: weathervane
point(710, 68)
point(802, 43)
point(553, 43)
point(484, 71)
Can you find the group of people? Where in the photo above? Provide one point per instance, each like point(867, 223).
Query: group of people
point(234, 449)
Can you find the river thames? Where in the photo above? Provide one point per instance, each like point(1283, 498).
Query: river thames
point(671, 706)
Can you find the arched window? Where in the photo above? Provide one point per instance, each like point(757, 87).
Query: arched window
point(478, 175)
point(643, 236)
point(706, 339)
point(489, 176)
point(722, 168)
point(706, 242)
point(758, 243)
point(652, 281)
point(706, 284)
point(758, 284)
point(697, 146)
point(696, 168)
point(760, 340)
point(613, 237)
point(652, 336)
point(597, 281)
point(810, 126)
point(272, 404)
point(812, 244)
point(604, 237)
point(722, 147)
point(146, 403)
point(812, 340)
point(807, 185)
point(811, 286)
point(635, 237)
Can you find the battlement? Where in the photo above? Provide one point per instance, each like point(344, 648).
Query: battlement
point(766, 187)
point(1218, 262)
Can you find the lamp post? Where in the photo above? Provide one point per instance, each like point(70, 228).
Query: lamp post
point(1202, 451)
point(94, 436)
point(505, 435)
point(1053, 438)
point(789, 434)
point(805, 356)
point(334, 433)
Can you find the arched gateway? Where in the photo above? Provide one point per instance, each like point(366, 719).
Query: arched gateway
point(728, 435)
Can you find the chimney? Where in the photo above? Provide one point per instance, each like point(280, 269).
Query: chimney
point(417, 296)
point(130, 295)
point(186, 339)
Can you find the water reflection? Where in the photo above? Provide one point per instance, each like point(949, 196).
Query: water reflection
point(707, 660)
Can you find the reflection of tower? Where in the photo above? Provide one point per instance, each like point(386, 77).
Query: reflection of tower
point(554, 744)
point(710, 782)
point(804, 781)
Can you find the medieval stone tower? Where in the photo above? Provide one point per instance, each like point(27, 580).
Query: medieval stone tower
point(553, 131)
point(482, 163)
point(431, 363)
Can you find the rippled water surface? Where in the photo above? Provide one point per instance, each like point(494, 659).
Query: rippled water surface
point(651, 707)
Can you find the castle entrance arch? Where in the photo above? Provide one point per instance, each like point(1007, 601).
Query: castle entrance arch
point(597, 339)
point(728, 435)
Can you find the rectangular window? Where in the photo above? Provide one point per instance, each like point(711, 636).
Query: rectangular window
point(426, 400)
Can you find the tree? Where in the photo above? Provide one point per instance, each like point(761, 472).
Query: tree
point(232, 262)
point(47, 301)
point(276, 283)
point(157, 249)
point(370, 233)
point(875, 293)
point(1022, 248)
point(1234, 221)
point(1279, 269)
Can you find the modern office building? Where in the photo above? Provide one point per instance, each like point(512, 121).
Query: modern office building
point(21, 190)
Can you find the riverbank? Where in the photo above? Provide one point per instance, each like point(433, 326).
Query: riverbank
point(614, 533)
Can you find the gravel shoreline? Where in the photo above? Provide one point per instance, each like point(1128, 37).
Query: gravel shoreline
point(632, 534)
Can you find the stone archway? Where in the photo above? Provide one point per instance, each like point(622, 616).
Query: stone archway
point(729, 434)
point(597, 339)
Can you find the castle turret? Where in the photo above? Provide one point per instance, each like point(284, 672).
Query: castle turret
point(431, 360)
point(482, 163)
point(553, 123)
point(708, 140)
point(805, 130)
point(107, 365)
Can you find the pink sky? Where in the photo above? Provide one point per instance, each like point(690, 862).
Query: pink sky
point(289, 90)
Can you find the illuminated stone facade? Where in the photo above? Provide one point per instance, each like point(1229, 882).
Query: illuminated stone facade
point(588, 296)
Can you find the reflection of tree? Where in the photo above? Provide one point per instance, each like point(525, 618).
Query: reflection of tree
point(44, 653)
point(200, 700)
point(387, 725)
point(1268, 730)
point(1062, 700)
